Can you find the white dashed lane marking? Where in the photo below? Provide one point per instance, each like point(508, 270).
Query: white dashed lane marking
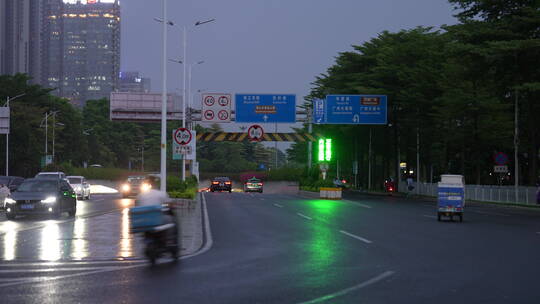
point(355, 236)
point(304, 216)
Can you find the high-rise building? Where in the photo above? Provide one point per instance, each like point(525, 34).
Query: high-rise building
point(70, 45)
point(133, 82)
point(20, 40)
point(81, 48)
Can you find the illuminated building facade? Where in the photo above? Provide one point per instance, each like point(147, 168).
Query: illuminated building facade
point(81, 53)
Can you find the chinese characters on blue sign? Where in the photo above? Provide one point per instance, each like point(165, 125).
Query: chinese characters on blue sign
point(266, 108)
point(351, 109)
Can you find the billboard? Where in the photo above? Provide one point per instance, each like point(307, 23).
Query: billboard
point(143, 107)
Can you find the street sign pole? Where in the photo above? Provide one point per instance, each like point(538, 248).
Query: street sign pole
point(163, 181)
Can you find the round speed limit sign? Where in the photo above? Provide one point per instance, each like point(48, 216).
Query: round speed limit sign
point(182, 136)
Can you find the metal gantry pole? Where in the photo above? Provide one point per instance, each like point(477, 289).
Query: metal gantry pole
point(163, 182)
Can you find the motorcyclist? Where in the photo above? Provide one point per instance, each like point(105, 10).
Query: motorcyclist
point(389, 184)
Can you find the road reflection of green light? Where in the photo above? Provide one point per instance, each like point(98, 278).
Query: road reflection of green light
point(321, 256)
point(322, 249)
point(323, 207)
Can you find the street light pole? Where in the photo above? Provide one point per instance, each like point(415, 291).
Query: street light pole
point(8, 99)
point(163, 182)
point(184, 100)
point(516, 146)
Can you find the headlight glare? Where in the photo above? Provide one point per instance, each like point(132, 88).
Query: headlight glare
point(125, 187)
point(145, 187)
point(49, 200)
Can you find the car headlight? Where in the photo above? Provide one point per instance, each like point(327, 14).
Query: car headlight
point(9, 200)
point(145, 187)
point(49, 200)
point(125, 187)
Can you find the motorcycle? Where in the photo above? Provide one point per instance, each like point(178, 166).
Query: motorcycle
point(160, 240)
point(390, 187)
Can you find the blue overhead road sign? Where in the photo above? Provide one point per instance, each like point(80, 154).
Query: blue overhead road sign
point(351, 109)
point(266, 108)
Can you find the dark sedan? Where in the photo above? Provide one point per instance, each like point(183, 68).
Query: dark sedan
point(221, 184)
point(42, 196)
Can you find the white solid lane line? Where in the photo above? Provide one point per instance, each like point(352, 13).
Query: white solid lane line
point(343, 292)
point(304, 216)
point(278, 205)
point(355, 236)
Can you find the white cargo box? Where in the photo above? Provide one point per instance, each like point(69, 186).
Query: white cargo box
point(449, 179)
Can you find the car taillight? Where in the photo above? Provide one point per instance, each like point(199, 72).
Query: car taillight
point(260, 184)
point(227, 183)
point(215, 183)
point(391, 189)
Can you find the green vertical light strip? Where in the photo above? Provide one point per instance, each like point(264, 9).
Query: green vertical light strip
point(328, 154)
point(321, 149)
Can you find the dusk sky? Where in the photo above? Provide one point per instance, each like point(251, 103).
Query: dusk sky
point(262, 46)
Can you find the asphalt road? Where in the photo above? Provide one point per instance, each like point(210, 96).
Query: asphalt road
point(277, 248)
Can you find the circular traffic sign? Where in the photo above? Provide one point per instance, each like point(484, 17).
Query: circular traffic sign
point(223, 115)
point(501, 159)
point(223, 101)
point(182, 136)
point(209, 101)
point(209, 115)
point(255, 133)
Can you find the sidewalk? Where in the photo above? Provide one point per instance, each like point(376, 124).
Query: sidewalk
point(189, 214)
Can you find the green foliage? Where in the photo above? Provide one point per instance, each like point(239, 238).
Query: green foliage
point(113, 174)
point(285, 174)
point(188, 193)
point(452, 93)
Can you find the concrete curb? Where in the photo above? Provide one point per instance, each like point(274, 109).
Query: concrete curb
point(189, 213)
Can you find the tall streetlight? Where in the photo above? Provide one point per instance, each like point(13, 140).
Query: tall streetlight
point(184, 93)
point(8, 99)
point(46, 120)
point(165, 22)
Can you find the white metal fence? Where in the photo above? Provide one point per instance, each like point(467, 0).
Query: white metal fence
point(483, 193)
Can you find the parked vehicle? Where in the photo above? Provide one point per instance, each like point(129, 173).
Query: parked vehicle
point(42, 196)
point(221, 184)
point(81, 187)
point(253, 185)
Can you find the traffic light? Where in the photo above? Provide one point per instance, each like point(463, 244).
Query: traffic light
point(321, 149)
point(325, 149)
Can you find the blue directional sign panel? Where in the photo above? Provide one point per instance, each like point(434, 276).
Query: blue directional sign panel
point(351, 109)
point(266, 108)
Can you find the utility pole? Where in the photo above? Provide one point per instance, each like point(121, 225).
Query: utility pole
point(417, 157)
point(310, 144)
point(516, 145)
point(369, 161)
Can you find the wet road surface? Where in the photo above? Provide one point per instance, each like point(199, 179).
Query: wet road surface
point(273, 248)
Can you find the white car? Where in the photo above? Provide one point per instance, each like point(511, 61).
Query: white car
point(81, 187)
